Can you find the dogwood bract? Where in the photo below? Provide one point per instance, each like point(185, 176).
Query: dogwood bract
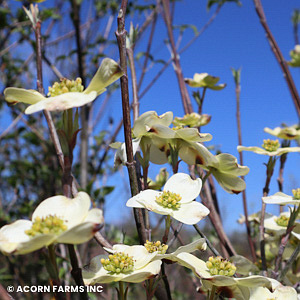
point(176, 199)
point(125, 263)
point(56, 220)
point(270, 148)
point(66, 94)
point(287, 133)
point(219, 272)
point(283, 199)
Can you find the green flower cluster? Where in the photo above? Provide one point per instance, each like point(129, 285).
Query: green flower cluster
point(220, 266)
point(118, 263)
point(169, 200)
point(47, 225)
point(66, 86)
point(156, 246)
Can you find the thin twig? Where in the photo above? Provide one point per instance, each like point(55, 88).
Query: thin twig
point(279, 57)
point(206, 25)
point(186, 101)
point(239, 127)
point(289, 262)
point(270, 169)
point(147, 52)
point(209, 244)
point(121, 39)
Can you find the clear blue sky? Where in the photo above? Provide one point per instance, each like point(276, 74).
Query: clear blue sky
point(235, 39)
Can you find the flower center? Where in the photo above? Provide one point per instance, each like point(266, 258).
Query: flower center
point(117, 263)
point(169, 200)
point(156, 246)
point(270, 145)
point(220, 266)
point(282, 221)
point(65, 86)
point(47, 225)
point(296, 194)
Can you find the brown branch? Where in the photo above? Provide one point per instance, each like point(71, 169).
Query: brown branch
point(206, 25)
point(84, 112)
point(135, 100)
point(239, 127)
point(270, 169)
point(277, 52)
point(186, 101)
point(215, 220)
point(147, 51)
point(121, 39)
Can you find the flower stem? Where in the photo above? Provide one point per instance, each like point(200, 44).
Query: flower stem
point(270, 170)
point(52, 257)
point(121, 291)
point(167, 229)
point(212, 293)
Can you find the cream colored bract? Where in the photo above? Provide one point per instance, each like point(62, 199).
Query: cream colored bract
point(190, 212)
point(108, 72)
point(143, 268)
point(80, 224)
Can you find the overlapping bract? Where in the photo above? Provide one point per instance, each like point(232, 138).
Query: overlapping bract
point(80, 224)
point(156, 139)
point(143, 266)
point(189, 211)
point(108, 72)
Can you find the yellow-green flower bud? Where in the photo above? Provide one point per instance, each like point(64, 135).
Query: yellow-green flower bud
point(220, 266)
point(169, 200)
point(270, 145)
point(156, 246)
point(118, 263)
point(282, 221)
point(296, 193)
point(47, 225)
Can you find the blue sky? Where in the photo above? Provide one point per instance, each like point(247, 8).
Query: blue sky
point(235, 39)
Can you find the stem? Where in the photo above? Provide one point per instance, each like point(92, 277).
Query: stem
point(147, 52)
point(121, 291)
point(278, 55)
point(206, 176)
point(146, 89)
point(76, 272)
point(283, 158)
point(121, 39)
point(270, 169)
point(135, 101)
point(238, 119)
point(53, 260)
point(175, 234)
point(166, 282)
point(84, 112)
point(167, 229)
point(186, 101)
point(209, 244)
point(289, 262)
point(216, 221)
point(212, 293)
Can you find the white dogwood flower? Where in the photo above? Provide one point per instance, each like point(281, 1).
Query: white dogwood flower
point(67, 94)
point(125, 263)
point(176, 199)
point(56, 220)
